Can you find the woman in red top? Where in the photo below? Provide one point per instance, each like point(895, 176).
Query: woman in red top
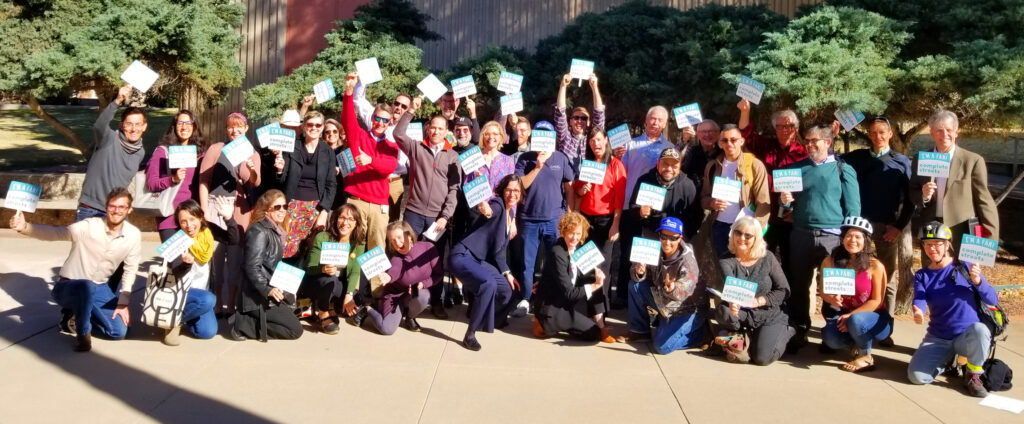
point(601, 204)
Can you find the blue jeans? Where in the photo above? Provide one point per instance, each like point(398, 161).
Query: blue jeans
point(533, 233)
point(84, 212)
point(198, 315)
point(934, 353)
point(862, 329)
point(92, 304)
point(678, 332)
point(720, 238)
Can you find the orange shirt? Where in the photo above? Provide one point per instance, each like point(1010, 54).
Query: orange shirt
point(607, 197)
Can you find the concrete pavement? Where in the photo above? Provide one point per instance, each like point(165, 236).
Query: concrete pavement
point(428, 377)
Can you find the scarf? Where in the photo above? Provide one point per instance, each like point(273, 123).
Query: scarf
point(202, 246)
point(129, 147)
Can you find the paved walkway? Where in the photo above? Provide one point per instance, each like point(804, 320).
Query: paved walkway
point(359, 376)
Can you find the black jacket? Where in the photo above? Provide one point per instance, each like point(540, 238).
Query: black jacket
point(681, 201)
point(555, 289)
point(487, 238)
point(263, 251)
point(326, 178)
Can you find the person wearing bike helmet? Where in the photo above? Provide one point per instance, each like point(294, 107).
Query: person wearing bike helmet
point(944, 289)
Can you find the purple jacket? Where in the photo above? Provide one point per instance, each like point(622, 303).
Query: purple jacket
point(421, 265)
point(158, 178)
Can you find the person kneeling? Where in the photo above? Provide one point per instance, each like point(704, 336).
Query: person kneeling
point(415, 266)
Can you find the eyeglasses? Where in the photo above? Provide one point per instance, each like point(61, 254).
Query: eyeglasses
point(730, 140)
point(314, 125)
point(579, 118)
point(117, 208)
point(347, 218)
point(183, 122)
point(276, 208)
point(744, 236)
point(513, 191)
point(785, 127)
point(670, 237)
point(401, 105)
point(815, 140)
point(331, 131)
point(381, 119)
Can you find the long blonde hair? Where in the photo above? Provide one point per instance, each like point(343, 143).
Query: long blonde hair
point(263, 205)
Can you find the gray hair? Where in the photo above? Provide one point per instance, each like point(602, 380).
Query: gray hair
point(819, 131)
point(943, 115)
point(749, 223)
point(658, 108)
point(785, 113)
point(729, 127)
point(712, 123)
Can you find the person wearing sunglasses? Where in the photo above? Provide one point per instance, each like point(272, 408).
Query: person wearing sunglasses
point(309, 181)
point(732, 163)
point(572, 130)
point(759, 332)
point(184, 131)
point(671, 291)
point(369, 119)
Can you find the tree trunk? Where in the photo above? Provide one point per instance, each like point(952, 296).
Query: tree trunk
point(905, 273)
point(76, 142)
point(902, 139)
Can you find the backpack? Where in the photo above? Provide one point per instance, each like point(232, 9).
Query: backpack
point(997, 375)
point(991, 315)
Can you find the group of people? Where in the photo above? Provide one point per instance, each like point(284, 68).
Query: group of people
point(404, 194)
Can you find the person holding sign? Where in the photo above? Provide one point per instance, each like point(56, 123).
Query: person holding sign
point(642, 154)
point(265, 311)
point(961, 196)
point(334, 136)
point(449, 108)
point(674, 290)
point(700, 151)
point(478, 260)
point(333, 287)
point(496, 167)
point(948, 290)
point(601, 204)
point(115, 158)
point(859, 319)
point(572, 134)
point(415, 268)
point(735, 165)
point(308, 178)
point(98, 246)
point(765, 323)
point(184, 131)
point(519, 130)
point(366, 113)
point(563, 286)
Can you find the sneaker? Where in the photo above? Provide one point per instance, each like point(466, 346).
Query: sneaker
point(328, 326)
point(172, 337)
point(360, 316)
point(83, 343)
point(632, 337)
point(67, 322)
point(412, 325)
point(974, 385)
point(521, 308)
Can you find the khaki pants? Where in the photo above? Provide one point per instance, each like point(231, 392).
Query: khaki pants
point(374, 220)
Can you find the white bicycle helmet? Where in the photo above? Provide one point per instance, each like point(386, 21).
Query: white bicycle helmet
point(858, 223)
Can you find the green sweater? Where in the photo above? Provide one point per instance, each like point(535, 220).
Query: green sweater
point(349, 275)
point(825, 200)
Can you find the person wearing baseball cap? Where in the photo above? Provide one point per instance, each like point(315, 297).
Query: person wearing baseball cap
point(673, 289)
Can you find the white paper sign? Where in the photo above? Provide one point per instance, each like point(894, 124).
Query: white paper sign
point(374, 262)
point(238, 150)
point(174, 246)
point(511, 103)
point(542, 141)
point(687, 116)
point(334, 253)
point(587, 257)
point(287, 278)
point(651, 195)
point(839, 281)
point(592, 172)
point(324, 91)
point(509, 82)
point(263, 134)
point(432, 87)
point(462, 87)
point(22, 196)
point(738, 291)
point(933, 164)
point(750, 89)
point(645, 251)
point(433, 232)
point(619, 136)
point(471, 160)
point(1002, 402)
point(477, 191)
point(182, 156)
point(276, 138)
point(414, 131)
point(139, 76)
point(369, 71)
point(978, 250)
point(726, 189)
point(346, 162)
point(791, 180)
point(581, 69)
point(849, 118)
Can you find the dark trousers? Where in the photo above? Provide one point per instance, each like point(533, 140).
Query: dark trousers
point(811, 246)
point(556, 320)
point(777, 240)
point(600, 226)
point(167, 233)
point(322, 290)
point(626, 234)
point(281, 323)
point(491, 292)
point(720, 238)
point(767, 342)
point(419, 224)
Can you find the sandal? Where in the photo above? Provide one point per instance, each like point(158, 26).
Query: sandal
point(863, 363)
point(328, 326)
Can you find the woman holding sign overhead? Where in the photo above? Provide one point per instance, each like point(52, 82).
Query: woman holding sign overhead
point(855, 311)
point(326, 280)
point(186, 136)
point(309, 180)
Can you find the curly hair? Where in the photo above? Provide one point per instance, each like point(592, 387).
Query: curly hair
point(570, 221)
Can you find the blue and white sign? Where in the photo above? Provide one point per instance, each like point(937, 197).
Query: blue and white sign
point(369, 71)
point(542, 141)
point(334, 253)
point(432, 87)
point(182, 156)
point(645, 251)
point(174, 246)
point(477, 191)
point(346, 162)
point(739, 291)
point(726, 189)
point(509, 82)
point(463, 87)
point(22, 196)
point(238, 150)
point(651, 195)
point(592, 172)
point(791, 180)
point(139, 76)
point(587, 257)
point(287, 278)
point(471, 160)
point(414, 131)
point(750, 89)
point(688, 116)
point(282, 139)
point(619, 136)
point(511, 103)
point(838, 281)
point(933, 164)
point(849, 118)
point(373, 262)
point(581, 69)
point(324, 91)
point(978, 250)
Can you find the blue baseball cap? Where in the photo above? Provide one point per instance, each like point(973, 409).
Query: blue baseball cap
point(671, 224)
point(544, 125)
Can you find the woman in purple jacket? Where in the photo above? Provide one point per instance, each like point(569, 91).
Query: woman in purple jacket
point(184, 131)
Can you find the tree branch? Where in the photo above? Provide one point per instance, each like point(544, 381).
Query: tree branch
point(76, 142)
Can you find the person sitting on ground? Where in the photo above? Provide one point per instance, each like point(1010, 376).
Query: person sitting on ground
point(764, 323)
point(859, 320)
point(950, 292)
point(327, 284)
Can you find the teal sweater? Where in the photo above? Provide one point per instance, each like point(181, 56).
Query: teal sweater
point(825, 200)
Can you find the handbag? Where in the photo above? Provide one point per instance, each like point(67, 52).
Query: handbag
point(146, 202)
point(165, 297)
